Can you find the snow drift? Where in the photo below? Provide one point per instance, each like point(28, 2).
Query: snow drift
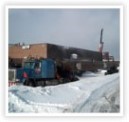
point(92, 93)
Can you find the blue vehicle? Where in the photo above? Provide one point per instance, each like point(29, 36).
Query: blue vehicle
point(36, 72)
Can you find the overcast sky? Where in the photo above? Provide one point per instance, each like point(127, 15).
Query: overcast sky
point(68, 27)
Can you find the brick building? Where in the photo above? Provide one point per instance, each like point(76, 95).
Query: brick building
point(17, 53)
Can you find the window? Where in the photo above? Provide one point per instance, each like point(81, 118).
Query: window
point(29, 65)
point(37, 67)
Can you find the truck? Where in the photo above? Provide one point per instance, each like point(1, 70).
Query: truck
point(42, 72)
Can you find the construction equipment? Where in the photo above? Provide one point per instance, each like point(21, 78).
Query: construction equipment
point(42, 72)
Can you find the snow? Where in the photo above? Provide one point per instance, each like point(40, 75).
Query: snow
point(93, 93)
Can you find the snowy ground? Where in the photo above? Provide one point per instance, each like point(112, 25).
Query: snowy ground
point(94, 92)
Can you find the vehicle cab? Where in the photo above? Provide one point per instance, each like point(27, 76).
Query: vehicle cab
point(36, 70)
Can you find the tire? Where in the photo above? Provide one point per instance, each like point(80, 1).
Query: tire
point(40, 83)
point(26, 82)
point(43, 83)
point(30, 83)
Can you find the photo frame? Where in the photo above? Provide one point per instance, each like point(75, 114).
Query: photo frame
point(102, 7)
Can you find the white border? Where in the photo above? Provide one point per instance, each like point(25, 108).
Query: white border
point(120, 7)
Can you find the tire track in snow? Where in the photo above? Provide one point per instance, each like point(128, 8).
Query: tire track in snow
point(95, 95)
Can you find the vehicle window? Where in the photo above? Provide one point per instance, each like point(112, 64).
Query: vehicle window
point(37, 65)
point(29, 65)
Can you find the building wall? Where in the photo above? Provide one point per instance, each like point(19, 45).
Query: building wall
point(61, 53)
point(35, 50)
point(85, 54)
point(56, 52)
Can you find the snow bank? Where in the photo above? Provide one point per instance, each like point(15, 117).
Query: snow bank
point(89, 94)
point(92, 74)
